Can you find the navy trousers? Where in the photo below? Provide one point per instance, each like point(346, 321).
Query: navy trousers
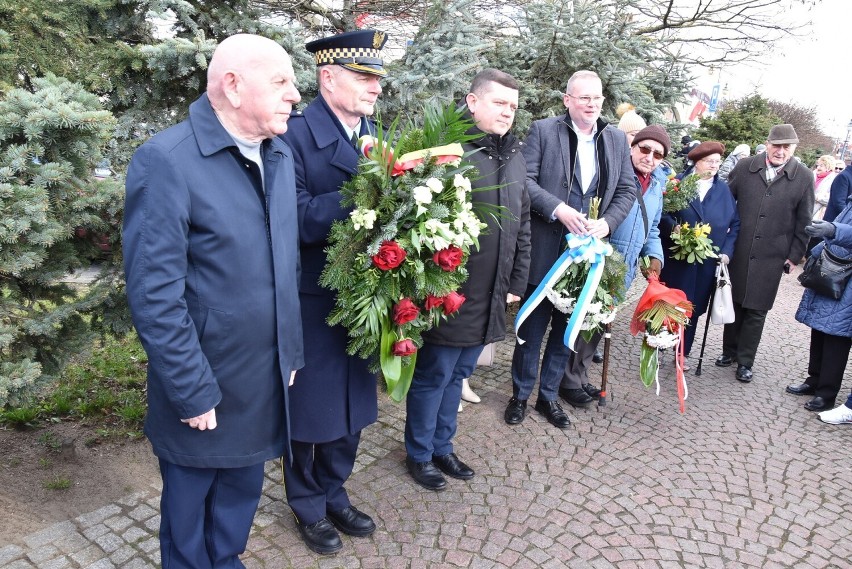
point(206, 515)
point(525, 369)
point(432, 404)
point(314, 482)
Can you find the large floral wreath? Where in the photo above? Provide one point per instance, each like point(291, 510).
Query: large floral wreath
point(398, 261)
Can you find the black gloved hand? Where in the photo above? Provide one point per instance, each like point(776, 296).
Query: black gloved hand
point(819, 228)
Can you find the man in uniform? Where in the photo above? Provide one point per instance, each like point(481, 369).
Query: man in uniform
point(335, 396)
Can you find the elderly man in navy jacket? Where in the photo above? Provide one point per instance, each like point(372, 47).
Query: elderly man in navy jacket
point(211, 257)
point(335, 397)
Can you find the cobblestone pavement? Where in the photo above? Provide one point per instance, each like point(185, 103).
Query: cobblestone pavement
point(745, 478)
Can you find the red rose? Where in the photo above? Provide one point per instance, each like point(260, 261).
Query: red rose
point(433, 301)
point(453, 302)
point(390, 256)
point(449, 258)
point(404, 311)
point(403, 348)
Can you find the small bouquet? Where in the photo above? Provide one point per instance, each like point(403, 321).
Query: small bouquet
point(399, 259)
point(679, 193)
point(660, 318)
point(692, 244)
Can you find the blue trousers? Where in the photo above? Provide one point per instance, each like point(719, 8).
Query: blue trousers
point(314, 482)
point(525, 369)
point(432, 404)
point(206, 515)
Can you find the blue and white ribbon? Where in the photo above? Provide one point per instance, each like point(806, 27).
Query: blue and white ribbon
point(580, 249)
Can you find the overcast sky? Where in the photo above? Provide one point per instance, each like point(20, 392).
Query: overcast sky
point(812, 70)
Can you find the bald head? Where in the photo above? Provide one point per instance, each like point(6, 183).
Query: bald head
point(251, 85)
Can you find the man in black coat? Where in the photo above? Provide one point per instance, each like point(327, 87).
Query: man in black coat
point(498, 275)
point(334, 397)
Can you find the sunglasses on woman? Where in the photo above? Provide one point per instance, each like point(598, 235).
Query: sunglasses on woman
point(648, 150)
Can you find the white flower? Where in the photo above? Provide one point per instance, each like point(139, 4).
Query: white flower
point(461, 182)
point(460, 193)
point(363, 218)
point(662, 339)
point(436, 185)
point(422, 194)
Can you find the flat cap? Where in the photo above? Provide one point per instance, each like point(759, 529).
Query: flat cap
point(782, 134)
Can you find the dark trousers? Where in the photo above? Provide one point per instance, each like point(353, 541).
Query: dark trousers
point(827, 363)
point(314, 482)
point(577, 372)
point(433, 399)
point(741, 338)
point(525, 368)
point(206, 515)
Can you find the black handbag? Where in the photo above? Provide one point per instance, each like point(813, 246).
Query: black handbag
point(826, 275)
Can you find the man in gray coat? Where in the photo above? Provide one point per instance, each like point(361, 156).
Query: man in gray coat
point(775, 200)
point(570, 160)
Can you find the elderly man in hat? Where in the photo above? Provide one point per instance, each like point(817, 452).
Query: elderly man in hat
point(775, 201)
point(334, 397)
point(636, 236)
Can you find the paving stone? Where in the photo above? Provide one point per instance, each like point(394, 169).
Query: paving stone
point(50, 534)
point(8, 553)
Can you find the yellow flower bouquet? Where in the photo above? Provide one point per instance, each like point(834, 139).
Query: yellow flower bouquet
point(692, 244)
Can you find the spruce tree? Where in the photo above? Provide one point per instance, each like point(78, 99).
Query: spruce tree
point(743, 121)
point(50, 207)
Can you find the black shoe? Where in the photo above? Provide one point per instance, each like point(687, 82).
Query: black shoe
point(321, 537)
point(724, 361)
point(352, 521)
point(516, 410)
point(744, 373)
point(575, 397)
point(553, 413)
point(801, 389)
point(425, 474)
point(450, 465)
point(592, 391)
point(597, 357)
point(819, 404)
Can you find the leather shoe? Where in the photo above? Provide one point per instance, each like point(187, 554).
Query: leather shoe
point(801, 389)
point(320, 537)
point(593, 391)
point(575, 397)
point(352, 521)
point(425, 474)
point(724, 361)
point(553, 413)
point(744, 373)
point(516, 410)
point(450, 465)
point(819, 404)
point(597, 357)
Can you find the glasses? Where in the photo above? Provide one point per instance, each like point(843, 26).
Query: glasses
point(648, 150)
point(838, 168)
point(586, 100)
point(711, 162)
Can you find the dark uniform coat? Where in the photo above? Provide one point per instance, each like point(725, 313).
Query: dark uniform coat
point(773, 217)
point(212, 265)
point(501, 263)
point(335, 394)
point(696, 280)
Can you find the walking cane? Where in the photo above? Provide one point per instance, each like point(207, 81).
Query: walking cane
point(607, 336)
point(706, 327)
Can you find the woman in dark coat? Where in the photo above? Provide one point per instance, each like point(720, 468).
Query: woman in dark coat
point(714, 205)
point(830, 321)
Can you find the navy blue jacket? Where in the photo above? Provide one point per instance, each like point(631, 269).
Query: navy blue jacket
point(820, 312)
point(212, 291)
point(841, 188)
point(697, 279)
point(335, 394)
